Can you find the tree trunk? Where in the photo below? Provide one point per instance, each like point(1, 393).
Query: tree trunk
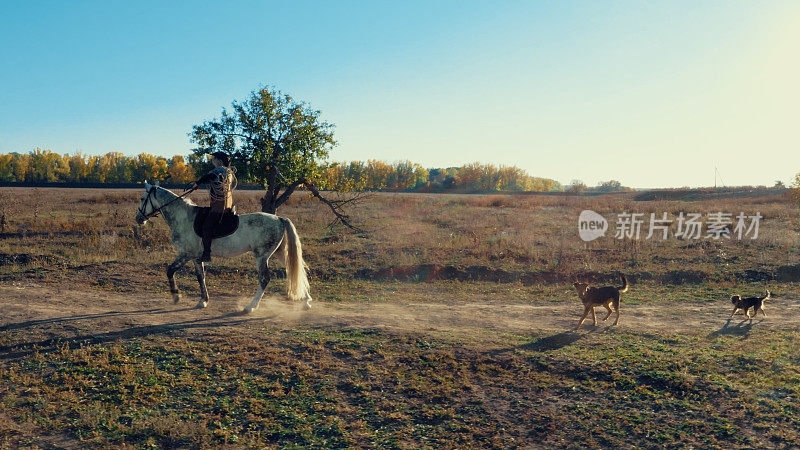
point(268, 204)
point(274, 199)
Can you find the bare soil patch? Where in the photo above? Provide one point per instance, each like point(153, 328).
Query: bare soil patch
point(56, 313)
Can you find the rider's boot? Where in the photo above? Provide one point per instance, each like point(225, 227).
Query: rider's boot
point(206, 256)
point(210, 223)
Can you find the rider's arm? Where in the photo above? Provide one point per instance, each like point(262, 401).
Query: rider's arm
point(196, 184)
point(205, 178)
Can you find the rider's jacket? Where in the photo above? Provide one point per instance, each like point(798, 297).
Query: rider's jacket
point(220, 187)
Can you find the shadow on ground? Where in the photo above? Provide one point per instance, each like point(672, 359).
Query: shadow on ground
point(544, 344)
point(742, 328)
point(53, 320)
point(553, 342)
point(22, 349)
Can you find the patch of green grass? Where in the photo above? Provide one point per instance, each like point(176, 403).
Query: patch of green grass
point(678, 388)
point(340, 387)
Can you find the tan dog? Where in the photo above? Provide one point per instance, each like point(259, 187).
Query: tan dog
point(757, 303)
point(602, 296)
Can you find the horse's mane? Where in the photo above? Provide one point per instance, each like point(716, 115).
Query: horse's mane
point(186, 200)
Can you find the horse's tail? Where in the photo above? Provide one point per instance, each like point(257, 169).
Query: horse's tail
point(297, 282)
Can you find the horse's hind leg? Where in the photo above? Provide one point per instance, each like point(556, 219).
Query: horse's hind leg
point(171, 269)
point(263, 280)
point(201, 279)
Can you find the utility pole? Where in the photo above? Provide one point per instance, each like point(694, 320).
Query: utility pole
point(716, 174)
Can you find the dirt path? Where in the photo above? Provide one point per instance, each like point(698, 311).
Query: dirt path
point(50, 313)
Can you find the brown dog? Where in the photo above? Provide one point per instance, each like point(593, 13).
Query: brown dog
point(602, 296)
point(757, 303)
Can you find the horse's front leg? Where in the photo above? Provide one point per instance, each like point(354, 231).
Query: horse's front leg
point(201, 278)
point(171, 269)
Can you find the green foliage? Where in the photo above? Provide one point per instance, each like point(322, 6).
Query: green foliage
point(576, 186)
point(609, 186)
point(269, 130)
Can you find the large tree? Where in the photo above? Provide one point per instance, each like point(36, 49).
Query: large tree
point(273, 140)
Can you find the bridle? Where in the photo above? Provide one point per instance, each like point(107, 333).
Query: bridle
point(149, 201)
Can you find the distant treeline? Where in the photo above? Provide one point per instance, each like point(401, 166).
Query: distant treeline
point(44, 166)
point(408, 176)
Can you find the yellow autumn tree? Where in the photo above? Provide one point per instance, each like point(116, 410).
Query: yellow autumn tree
point(179, 171)
point(149, 167)
point(78, 167)
point(46, 166)
point(377, 174)
point(6, 172)
point(19, 166)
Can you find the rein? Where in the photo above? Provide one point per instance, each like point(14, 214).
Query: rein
point(156, 211)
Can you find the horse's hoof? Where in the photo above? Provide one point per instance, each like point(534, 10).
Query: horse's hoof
point(176, 298)
point(248, 310)
point(201, 304)
point(307, 306)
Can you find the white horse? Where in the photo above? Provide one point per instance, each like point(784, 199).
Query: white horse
point(260, 233)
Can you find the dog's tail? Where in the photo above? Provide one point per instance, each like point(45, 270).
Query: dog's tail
point(624, 287)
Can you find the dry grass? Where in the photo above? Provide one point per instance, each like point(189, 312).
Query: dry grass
point(521, 233)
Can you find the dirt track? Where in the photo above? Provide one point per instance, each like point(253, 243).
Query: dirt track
point(50, 313)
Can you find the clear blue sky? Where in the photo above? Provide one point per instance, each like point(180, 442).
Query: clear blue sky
point(649, 93)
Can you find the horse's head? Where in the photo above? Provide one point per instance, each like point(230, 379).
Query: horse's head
point(147, 207)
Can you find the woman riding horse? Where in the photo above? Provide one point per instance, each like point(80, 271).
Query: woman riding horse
point(220, 188)
point(260, 233)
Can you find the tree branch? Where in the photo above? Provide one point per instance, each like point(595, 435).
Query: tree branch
point(234, 134)
point(287, 193)
point(335, 205)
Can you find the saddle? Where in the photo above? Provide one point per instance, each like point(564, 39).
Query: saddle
point(227, 224)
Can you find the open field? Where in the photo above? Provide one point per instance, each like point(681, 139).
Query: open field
point(445, 323)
